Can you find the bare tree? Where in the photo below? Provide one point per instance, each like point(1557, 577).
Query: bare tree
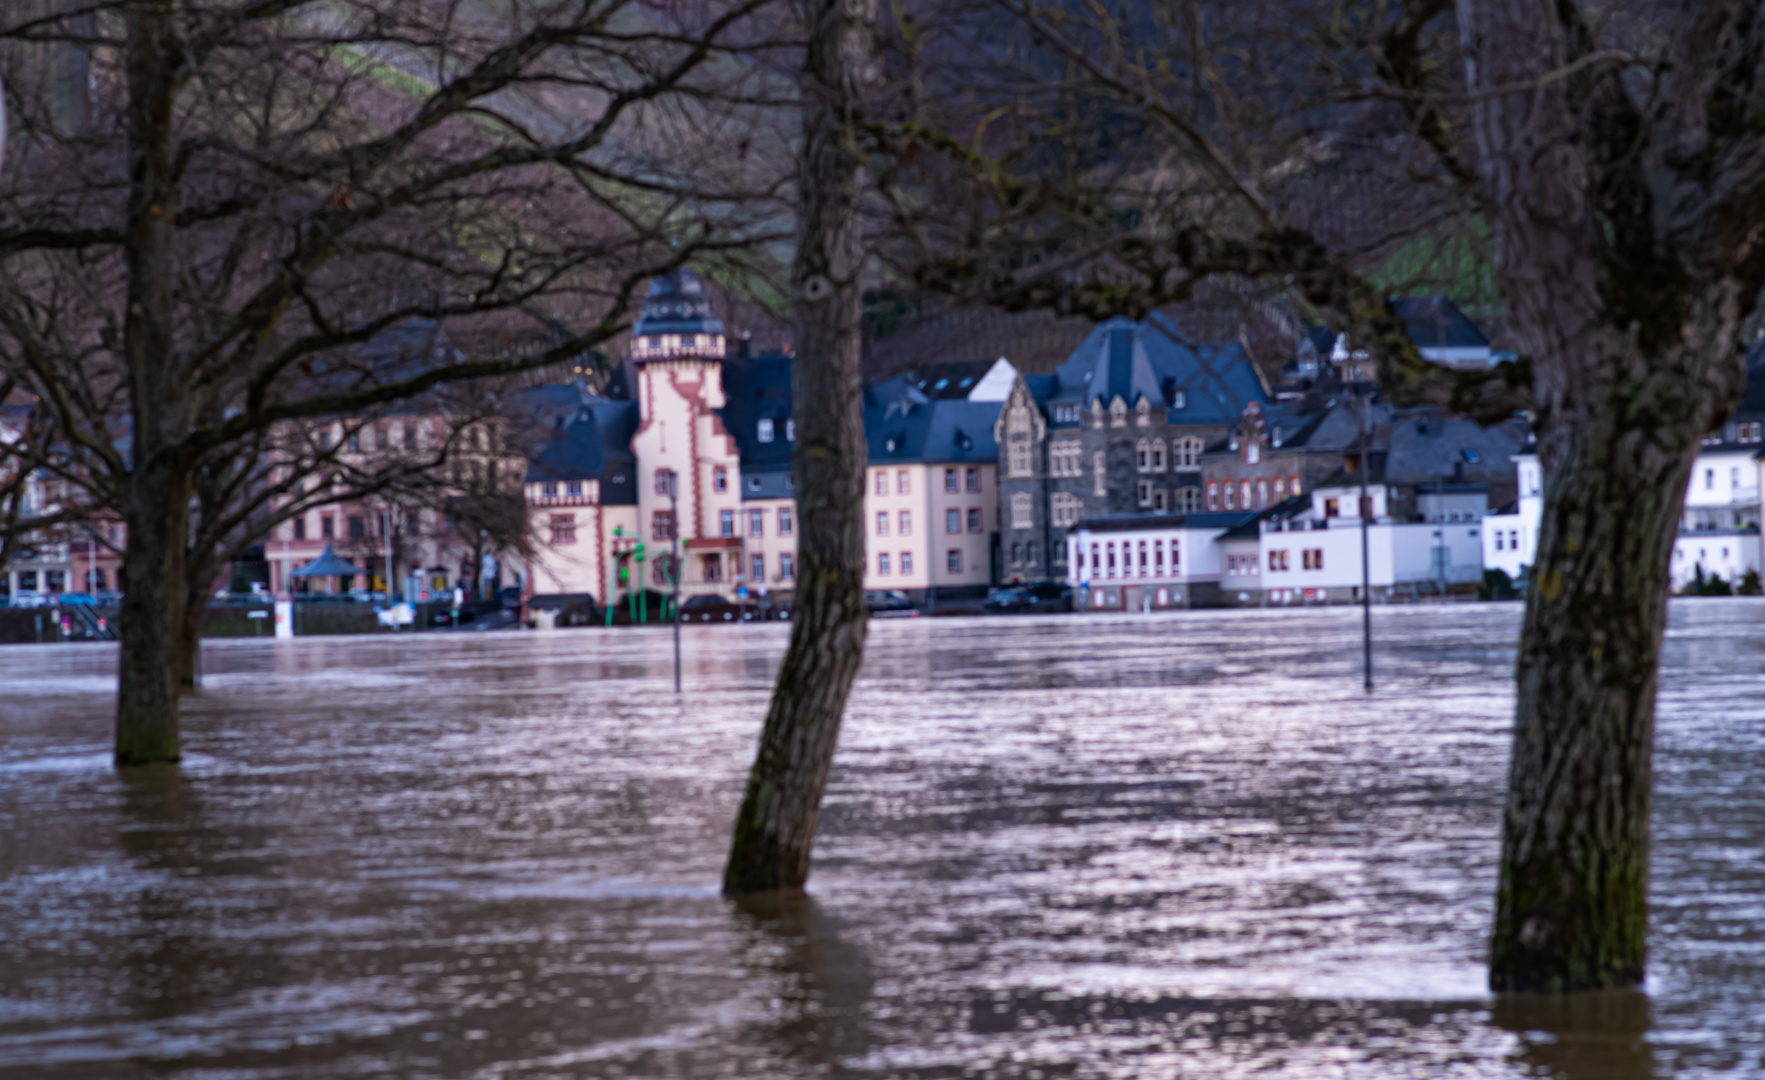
point(258, 192)
point(775, 828)
point(1105, 159)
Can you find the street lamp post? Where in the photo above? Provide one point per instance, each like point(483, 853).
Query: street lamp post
point(674, 565)
point(1366, 575)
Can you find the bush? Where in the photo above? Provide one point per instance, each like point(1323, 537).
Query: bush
point(1496, 585)
point(1749, 585)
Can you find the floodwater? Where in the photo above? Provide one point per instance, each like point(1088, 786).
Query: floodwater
point(1126, 846)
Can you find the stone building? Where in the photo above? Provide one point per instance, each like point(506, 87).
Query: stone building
point(1121, 427)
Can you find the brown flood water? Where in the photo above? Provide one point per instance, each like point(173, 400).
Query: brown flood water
point(1181, 846)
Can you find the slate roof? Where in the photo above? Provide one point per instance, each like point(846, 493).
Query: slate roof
point(677, 304)
point(1153, 359)
point(901, 424)
point(1436, 322)
point(590, 439)
point(955, 380)
point(1129, 522)
point(758, 388)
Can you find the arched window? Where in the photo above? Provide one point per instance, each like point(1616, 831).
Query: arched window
point(1158, 455)
point(1143, 456)
point(1118, 413)
point(1244, 493)
point(1018, 453)
point(1019, 421)
point(1023, 515)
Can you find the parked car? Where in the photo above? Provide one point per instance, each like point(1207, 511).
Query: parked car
point(1043, 596)
point(713, 608)
point(889, 604)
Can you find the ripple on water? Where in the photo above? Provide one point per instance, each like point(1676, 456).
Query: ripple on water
point(1180, 845)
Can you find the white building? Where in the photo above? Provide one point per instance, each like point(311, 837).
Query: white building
point(1305, 551)
point(1718, 533)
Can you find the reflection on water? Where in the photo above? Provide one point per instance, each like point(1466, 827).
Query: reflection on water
point(1178, 845)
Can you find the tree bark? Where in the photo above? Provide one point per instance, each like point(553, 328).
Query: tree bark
point(152, 617)
point(159, 481)
point(775, 828)
point(1633, 328)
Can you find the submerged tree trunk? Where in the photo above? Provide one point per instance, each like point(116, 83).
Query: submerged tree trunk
point(157, 503)
point(775, 829)
point(152, 620)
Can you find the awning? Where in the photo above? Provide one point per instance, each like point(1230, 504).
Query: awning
point(328, 564)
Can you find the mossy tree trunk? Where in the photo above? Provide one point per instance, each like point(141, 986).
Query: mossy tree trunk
point(1630, 264)
point(775, 828)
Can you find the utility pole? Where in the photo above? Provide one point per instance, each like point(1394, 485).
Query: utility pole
point(1366, 574)
point(674, 565)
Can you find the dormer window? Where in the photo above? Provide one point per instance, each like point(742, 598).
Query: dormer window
point(1180, 400)
point(1275, 440)
point(764, 432)
point(1252, 452)
point(790, 431)
point(548, 490)
point(753, 483)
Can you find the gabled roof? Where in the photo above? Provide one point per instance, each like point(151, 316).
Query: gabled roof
point(587, 432)
point(1154, 360)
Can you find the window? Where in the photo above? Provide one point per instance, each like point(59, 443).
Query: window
point(1709, 479)
point(952, 521)
point(300, 528)
point(951, 484)
point(1065, 509)
point(1186, 453)
point(882, 523)
point(1145, 493)
point(1019, 458)
point(1231, 493)
point(1099, 474)
point(713, 567)
point(726, 523)
point(357, 527)
point(549, 489)
point(1063, 458)
point(790, 431)
point(953, 560)
point(1280, 560)
point(1016, 554)
point(787, 568)
point(1030, 553)
point(719, 479)
point(1244, 494)
point(1213, 495)
point(1513, 539)
point(784, 521)
point(906, 563)
point(974, 521)
point(756, 524)
point(1262, 494)
point(1734, 477)
point(1313, 558)
point(563, 529)
point(1498, 540)
point(1143, 456)
point(753, 483)
point(764, 431)
point(1019, 420)
point(1023, 514)
point(973, 477)
point(1186, 500)
point(903, 482)
point(905, 523)
point(1118, 413)
point(1280, 488)
point(1332, 508)
point(1158, 455)
point(881, 487)
point(757, 568)
point(1252, 452)
point(882, 564)
point(661, 526)
point(326, 528)
point(661, 481)
point(573, 488)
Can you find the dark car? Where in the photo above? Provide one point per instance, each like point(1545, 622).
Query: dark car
point(1010, 598)
point(889, 604)
point(1043, 596)
point(1051, 596)
point(714, 608)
